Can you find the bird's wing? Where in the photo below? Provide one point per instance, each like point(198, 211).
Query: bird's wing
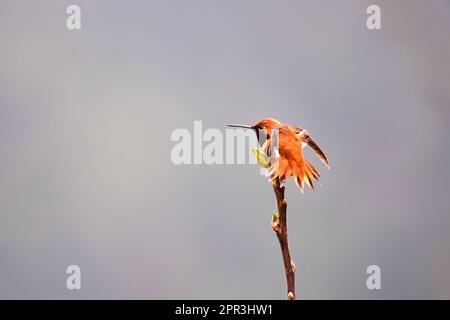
point(290, 160)
point(310, 143)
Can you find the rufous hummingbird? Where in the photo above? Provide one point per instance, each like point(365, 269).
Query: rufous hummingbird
point(286, 154)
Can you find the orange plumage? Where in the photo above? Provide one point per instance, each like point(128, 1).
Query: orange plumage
point(284, 146)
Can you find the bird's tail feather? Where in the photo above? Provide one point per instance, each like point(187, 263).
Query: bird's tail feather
point(307, 175)
point(301, 171)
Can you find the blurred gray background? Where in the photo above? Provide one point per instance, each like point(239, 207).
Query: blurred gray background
point(86, 176)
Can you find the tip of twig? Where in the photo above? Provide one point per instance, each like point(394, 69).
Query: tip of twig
point(290, 296)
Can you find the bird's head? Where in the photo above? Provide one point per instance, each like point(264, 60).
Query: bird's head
point(265, 126)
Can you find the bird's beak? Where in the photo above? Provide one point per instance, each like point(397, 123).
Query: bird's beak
point(239, 126)
point(246, 127)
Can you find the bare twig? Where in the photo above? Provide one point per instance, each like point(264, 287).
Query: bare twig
point(279, 225)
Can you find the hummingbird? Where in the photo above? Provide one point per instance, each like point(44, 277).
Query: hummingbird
point(284, 148)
